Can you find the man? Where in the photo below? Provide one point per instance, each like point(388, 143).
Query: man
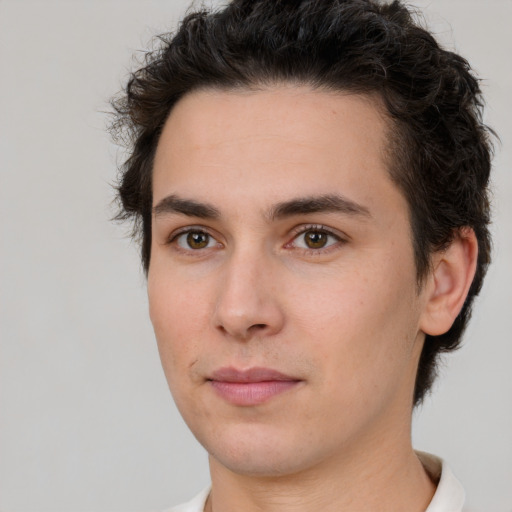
point(309, 180)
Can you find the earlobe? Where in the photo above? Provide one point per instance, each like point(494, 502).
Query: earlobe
point(449, 282)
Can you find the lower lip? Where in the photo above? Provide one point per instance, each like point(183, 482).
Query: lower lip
point(251, 393)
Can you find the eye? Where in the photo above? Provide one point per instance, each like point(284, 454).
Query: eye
point(315, 238)
point(195, 240)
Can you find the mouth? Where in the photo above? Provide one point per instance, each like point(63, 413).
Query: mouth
point(250, 387)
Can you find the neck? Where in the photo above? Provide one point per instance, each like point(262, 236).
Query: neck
point(381, 473)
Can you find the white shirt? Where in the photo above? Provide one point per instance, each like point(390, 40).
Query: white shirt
point(449, 495)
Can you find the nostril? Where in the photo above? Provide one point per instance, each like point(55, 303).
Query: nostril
point(258, 327)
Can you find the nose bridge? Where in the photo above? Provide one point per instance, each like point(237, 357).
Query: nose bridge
point(247, 301)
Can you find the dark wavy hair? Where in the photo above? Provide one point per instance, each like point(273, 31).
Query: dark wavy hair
point(439, 148)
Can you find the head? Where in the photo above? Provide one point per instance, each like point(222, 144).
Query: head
point(437, 150)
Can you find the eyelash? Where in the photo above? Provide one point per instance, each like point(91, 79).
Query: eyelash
point(173, 238)
point(302, 230)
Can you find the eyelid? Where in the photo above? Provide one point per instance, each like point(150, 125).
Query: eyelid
point(304, 228)
point(174, 235)
point(318, 227)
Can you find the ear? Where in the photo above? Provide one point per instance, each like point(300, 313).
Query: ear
point(448, 283)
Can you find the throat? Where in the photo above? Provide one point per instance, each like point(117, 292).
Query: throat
point(405, 488)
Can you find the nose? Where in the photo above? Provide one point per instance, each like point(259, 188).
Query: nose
point(247, 303)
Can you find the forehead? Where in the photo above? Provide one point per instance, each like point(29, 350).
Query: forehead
point(299, 105)
point(281, 139)
point(207, 117)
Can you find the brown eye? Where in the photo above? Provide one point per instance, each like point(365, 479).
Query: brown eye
point(315, 239)
point(195, 240)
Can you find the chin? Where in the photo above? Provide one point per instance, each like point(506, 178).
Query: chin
point(262, 465)
point(261, 454)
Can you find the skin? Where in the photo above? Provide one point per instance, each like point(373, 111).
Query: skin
point(345, 320)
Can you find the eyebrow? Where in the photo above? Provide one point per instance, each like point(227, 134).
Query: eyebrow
point(174, 204)
point(317, 204)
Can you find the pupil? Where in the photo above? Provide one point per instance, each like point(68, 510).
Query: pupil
point(316, 239)
point(197, 240)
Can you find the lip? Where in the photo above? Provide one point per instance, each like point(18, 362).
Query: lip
point(249, 387)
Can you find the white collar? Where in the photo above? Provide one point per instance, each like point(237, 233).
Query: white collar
point(449, 495)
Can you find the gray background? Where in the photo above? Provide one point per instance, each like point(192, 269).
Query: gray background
point(86, 421)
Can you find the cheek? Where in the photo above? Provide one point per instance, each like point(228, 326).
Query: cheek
point(178, 319)
point(360, 325)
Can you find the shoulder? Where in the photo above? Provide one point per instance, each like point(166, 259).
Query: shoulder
point(196, 504)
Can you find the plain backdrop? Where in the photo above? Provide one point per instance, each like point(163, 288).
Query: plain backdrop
point(86, 420)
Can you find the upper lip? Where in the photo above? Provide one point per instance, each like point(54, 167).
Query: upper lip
point(255, 374)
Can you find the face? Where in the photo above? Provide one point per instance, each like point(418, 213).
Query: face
point(282, 284)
